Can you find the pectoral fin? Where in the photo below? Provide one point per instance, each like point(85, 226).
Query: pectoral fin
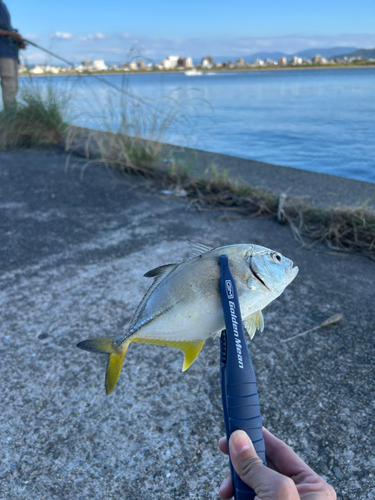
point(253, 323)
point(190, 348)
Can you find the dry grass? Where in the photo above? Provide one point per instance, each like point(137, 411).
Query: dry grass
point(38, 119)
point(341, 228)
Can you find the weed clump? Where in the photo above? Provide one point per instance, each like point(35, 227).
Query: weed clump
point(37, 120)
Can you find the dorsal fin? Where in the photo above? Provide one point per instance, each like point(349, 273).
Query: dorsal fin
point(199, 248)
point(159, 273)
point(159, 270)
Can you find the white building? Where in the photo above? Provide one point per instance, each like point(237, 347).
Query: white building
point(207, 62)
point(170, 62)
point(258, 62)
point(297, 60)
point(51, 69)
point(319, 60)
point(37, 70)
point(99, 65)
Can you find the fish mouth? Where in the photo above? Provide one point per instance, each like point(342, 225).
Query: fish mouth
point(293, 272)
point(258, 277)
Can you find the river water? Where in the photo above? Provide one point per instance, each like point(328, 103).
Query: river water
point(318, 120)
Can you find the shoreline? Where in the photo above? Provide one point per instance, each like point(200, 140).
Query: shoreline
point(211, 70)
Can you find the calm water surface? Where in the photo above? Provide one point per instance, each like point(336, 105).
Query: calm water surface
point(319, 120)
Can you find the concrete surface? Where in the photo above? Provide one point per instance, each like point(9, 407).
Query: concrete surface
point(74, 247)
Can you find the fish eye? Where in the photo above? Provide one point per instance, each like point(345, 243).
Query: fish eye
point(277, 258)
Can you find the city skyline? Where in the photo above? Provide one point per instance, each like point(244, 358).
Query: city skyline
point(83, 30)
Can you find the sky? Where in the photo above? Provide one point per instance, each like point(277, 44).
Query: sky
point(115, 29)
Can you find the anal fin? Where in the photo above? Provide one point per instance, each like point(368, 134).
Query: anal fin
point(190, 348)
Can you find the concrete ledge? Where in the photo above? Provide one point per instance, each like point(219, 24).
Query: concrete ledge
point(75, 245)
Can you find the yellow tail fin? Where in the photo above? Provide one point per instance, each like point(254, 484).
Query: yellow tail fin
point(116, 355)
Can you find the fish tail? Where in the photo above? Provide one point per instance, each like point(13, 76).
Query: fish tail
point(116, 354)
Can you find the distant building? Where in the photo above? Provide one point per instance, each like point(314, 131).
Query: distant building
point(218, 65)
point(240, 62)
point(170, 62)
point(37, 70)
point(258, 62)
point(282, 61)
point(141, 64)
point(51, 69)
point(271, 62)
point(319, 60)
point(133, 66)
point(207, 62)
point(296, 60)
point(185, 62)
point(99, 65)
point(22, 68)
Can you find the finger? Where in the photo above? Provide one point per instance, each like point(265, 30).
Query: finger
point(285, 460)
point(226, 488)
point(264, 481)
point(223, 445)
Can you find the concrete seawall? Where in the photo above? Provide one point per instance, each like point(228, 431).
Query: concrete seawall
point(75, 245)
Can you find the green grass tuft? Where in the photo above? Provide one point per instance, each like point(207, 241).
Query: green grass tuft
point(38, 119)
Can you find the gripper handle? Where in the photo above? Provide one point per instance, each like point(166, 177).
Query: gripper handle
point(241, 407)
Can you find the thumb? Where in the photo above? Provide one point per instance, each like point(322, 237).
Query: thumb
point(265, 482)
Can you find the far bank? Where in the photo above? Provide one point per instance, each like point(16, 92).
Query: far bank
point(204, 70)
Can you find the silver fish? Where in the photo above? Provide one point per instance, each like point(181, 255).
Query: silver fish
point(183, 308)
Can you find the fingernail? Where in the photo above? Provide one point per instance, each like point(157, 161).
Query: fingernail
point(241, 441)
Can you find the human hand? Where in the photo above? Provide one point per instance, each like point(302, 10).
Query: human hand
point(287, 477)
point(18, 38)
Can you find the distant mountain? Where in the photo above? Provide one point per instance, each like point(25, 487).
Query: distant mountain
point(266, 55)
point(307, 54)
point(328, 53)
point(364, 53)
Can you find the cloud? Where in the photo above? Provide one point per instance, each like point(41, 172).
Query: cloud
point(97, 36)
point(62, 36)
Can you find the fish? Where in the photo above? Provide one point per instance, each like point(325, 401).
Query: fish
point(183, 307)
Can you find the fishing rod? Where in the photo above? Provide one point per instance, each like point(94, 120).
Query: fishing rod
point(240, 399)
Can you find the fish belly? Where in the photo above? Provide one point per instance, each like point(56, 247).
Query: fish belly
point(182, 323)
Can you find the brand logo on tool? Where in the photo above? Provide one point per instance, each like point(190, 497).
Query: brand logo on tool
point(229, 289)
point(237, 339)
